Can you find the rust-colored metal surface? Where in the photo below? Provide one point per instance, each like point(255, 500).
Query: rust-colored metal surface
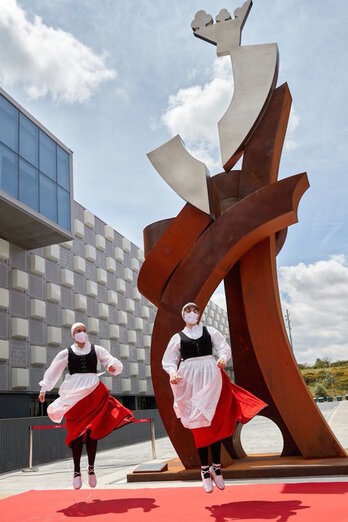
point(274, 355)
point(200, 272)
point(252, 212)
point(260, 168)
point(254, 466)
point(228, 238)
point(152, 233)
point(245, 365)
point(170, 249)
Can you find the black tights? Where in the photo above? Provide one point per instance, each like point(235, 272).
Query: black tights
point(215, 453)
point(91, 447)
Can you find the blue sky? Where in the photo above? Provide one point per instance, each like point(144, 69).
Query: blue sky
point(115, 79)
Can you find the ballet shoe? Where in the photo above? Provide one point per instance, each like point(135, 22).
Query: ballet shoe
point(77, 480)
point(217, 477)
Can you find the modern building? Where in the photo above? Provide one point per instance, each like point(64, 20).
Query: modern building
point(59, 263)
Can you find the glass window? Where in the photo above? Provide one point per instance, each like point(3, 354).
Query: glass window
point(28, 140)
point(63, 208)
point(8, 124)
point(28, 185)
point(48, 198)
point(8, 171)
point(63, 168)
point(48, 156)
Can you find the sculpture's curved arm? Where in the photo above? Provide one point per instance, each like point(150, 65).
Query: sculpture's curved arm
point(201, 270)
point(169, 250)
point(184, 173)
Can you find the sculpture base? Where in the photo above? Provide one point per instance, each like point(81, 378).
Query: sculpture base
point(257, 466)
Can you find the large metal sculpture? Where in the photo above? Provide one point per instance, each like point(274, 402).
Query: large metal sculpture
point(231, 229)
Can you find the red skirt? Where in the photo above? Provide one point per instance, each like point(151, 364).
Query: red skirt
point(98, 413)
point(235, 404)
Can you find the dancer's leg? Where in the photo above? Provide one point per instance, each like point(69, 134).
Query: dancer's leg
point(91, 447)
point(215, 469)
point(206, 478)
point(76, 447)
point(216, 451)
point(203, 456)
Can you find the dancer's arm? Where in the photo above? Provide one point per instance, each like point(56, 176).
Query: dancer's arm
point(53, 372)
point(171, 359)
point(110, 363)
point(221, 346)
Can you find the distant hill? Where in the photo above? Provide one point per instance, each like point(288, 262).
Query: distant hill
point(333, 379)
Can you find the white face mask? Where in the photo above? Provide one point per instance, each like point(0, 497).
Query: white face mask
point(81, 337)
point(191, 318)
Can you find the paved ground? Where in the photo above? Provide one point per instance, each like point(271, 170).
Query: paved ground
point(112, 466)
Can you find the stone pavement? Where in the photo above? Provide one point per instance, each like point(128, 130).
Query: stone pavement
point(112, 466)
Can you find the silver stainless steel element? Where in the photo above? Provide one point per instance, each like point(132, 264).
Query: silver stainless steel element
point(255, 72)
point(226, 33)
point(184, 173)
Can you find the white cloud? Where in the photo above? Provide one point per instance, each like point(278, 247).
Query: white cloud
point(294, 120)
point(47, 60)
point(194, 112)
point(316, 296)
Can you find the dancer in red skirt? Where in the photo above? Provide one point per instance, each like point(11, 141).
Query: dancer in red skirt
point(205, 400)
point(90, 412)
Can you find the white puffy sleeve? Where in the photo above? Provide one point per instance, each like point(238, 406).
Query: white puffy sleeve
point(172, 355)
point(220, 344)
point(54, 371)
point(106, 360)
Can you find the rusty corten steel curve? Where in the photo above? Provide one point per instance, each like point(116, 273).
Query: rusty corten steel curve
point(170, 249)
point(266, 211)
point(275, 358)
point(228, 238)
point(245, 366)
point(252, 212)
point(260, 168)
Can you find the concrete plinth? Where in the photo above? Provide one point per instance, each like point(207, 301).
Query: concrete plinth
point(255, 467)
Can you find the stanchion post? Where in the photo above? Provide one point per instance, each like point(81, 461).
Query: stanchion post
point(30, 467)
point(152, 426)
point(30, 447)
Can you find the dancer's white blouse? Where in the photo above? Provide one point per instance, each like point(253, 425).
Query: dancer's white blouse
point(78, 385)
point(196, 395)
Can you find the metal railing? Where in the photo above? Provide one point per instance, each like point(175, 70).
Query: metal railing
point(33, 428)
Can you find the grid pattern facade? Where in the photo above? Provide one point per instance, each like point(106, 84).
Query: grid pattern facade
point(92, 279)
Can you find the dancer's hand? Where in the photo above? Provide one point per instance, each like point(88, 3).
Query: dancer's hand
point(111, 368)
point(42, 396)
point(221, 363)
point(174, 378)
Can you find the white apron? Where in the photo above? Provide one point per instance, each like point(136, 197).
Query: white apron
point(197, 394)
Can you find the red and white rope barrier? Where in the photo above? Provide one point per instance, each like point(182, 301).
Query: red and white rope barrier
point(38, 427)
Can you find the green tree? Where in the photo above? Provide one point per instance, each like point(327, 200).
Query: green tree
point(320, 391)
point(322, 363)
point(329, 380)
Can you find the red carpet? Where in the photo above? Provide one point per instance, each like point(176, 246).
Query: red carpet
point(311, 502)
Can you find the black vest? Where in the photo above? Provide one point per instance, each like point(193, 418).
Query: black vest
point(195, 347)
point(82, 363)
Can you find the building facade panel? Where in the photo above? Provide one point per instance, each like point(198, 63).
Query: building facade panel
point(91, 278)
